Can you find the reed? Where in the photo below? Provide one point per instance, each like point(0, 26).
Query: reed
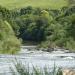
point(22, 70)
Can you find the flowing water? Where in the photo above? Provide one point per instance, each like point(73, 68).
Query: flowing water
point(37, 58)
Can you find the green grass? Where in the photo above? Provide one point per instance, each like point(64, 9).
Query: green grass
point(22, 70)
point(54, 4)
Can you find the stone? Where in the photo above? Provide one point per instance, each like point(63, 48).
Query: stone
point(68, 72)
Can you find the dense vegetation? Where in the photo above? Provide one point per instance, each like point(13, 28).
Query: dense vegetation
point(48, 27)
point(8, 42)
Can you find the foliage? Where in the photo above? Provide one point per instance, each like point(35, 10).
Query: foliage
point(49, 27)
point(8, 42)
point(22, 70)
point(71, 2)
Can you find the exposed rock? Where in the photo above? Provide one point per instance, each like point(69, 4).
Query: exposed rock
point(68, 72)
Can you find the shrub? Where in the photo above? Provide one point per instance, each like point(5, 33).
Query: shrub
point(8, 42)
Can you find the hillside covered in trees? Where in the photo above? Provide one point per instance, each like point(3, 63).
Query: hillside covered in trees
point(47, 27)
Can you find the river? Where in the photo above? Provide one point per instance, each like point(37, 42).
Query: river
point(40, 58)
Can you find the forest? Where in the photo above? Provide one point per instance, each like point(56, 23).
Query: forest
point(47, 27)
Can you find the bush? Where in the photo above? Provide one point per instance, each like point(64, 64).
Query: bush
point(8, 42)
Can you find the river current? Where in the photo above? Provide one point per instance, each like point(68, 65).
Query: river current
point(37, 58)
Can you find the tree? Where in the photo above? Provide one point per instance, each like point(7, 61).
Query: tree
point(71, 2)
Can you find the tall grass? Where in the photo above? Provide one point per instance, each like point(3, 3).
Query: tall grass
point(22, 70)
